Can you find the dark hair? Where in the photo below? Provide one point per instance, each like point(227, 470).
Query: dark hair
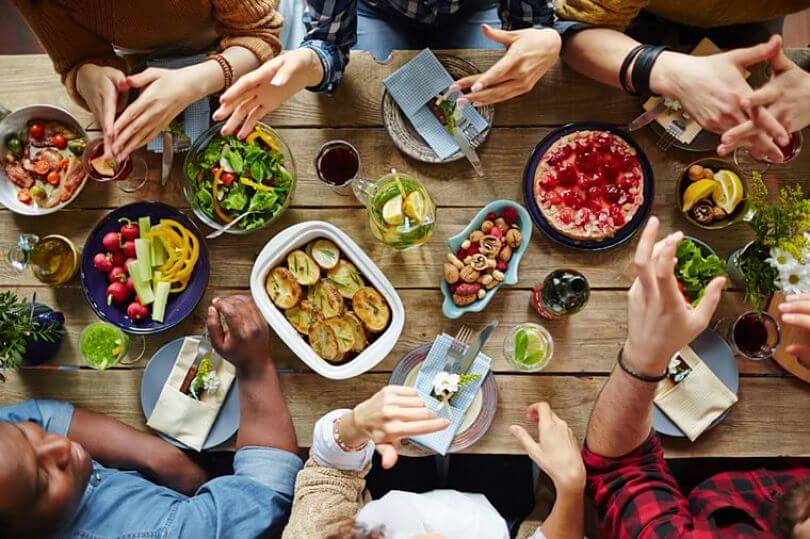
point(794, 508)
point(358, 531)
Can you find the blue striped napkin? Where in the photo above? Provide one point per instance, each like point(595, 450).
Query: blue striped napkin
point(196, 119)
point(434, 363)
point(413, 85)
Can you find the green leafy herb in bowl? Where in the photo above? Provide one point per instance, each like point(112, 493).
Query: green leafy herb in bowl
point(697, 266)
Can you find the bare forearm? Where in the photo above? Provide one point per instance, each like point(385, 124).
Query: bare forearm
point(207, 77)
point(566, 518)
point(265, 420)
point(598, 53)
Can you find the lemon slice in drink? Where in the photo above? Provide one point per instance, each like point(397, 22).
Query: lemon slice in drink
point(728, 192)
point(392, 211)
point(697, 191)
point(415, 206)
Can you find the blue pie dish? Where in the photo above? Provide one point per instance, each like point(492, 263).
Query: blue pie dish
point(94, 282)
point(449, 308)
point(628, 230)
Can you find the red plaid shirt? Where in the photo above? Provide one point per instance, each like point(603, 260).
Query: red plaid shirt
point(636, 496)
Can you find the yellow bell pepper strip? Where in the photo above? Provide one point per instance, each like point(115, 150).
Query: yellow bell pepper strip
point(220, 213)
point(265, 137)
point(258, 186)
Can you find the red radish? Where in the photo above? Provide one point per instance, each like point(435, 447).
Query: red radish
point(129, 230)
point(118, 274)
point(129, 249)
point(111, 241)
point(103, 262)
point(117, 293)
point(118, 259)
point(136, 311)
point(130, 286)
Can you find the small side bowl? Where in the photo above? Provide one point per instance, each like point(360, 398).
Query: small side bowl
point(741, 213)
point(449, 308)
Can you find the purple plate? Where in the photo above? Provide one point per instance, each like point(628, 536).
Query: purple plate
point(94, 283)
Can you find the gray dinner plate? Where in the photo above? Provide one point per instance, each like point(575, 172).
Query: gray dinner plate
point(717, 355)
point(154, 378)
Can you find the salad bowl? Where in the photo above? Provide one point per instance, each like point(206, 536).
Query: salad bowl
point(225, 178)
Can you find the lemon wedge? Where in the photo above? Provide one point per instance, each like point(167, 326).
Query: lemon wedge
point(392, 211)
point(697, 191)
point(415, 206)
point(728, 192)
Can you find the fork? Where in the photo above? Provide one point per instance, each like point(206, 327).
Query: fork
point(667, 140)
point(459, 345)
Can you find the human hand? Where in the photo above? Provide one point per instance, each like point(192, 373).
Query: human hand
point(529, 54)
point(556, 452)
point(245, 338)
point(796, 312)
point(98, 85)
point(786, 97)
point(165, 94)
point(659, 321)
point(711, 88)
point(264, 89)
point(393, 413)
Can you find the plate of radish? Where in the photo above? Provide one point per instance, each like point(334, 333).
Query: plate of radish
point(144, 267)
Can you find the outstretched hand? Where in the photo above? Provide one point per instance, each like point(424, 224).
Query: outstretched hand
point(796, 312)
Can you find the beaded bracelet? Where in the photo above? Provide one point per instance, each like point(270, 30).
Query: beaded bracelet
point(227, 70)
point(339, 441)
point(638, 375)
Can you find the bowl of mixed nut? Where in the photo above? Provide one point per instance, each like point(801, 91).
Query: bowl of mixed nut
point(484, 256)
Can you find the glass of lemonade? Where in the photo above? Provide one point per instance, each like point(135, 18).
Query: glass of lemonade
point(52, 259)
point(401, 213)
point(529, 347)
point(103, 345)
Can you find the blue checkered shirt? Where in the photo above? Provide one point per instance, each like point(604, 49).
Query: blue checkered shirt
point(332, 25)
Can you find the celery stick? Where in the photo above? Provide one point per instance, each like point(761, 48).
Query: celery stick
point(161, 298)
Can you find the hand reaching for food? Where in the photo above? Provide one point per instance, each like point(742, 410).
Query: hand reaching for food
point(529, 54)
point(99, 86)
point(239, 333)
point(393, 413)
point(263, 90)
point(796, 312)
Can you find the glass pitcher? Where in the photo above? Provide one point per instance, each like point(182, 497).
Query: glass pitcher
point(401, 213)
point(52, 259)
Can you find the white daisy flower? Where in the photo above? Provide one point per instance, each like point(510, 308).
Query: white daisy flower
point(445, 383)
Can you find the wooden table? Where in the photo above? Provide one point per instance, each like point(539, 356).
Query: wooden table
point(769, 420)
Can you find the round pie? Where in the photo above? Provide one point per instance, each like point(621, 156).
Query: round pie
point(589, 184)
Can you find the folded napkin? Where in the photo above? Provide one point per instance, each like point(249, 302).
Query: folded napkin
point(181, 417)
point(196, 119)
point(695, 402)
point(434, 363)
point(413, 85)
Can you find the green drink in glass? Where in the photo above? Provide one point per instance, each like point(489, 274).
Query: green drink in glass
point(529, 347)
point(103, 345)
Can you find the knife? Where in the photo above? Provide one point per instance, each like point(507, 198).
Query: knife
point(462, 140)
point(203, 349)
point(647, 117)
point(472, 352)
point(167, 159)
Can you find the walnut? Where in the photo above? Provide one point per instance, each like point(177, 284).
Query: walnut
point(703, 212)
point(501, 223)
point(451, 273)
point(506, 253)
point(468, 274)
point(453, 259)
point(479, 262)
point(489, 246)
point(464, 300)
point(476, 236)
point(487, 226)
point(513, 238)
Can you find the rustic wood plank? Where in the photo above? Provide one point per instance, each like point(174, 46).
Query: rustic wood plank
point(587, 343)
point(748, 431)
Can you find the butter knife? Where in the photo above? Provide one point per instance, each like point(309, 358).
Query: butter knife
point(167, 159)
point(464, 364)
point(647, 117)
point(462, 140)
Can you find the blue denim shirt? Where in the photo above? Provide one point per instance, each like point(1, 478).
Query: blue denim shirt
point(255, 500)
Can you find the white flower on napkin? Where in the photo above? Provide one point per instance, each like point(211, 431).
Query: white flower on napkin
point(445, 384)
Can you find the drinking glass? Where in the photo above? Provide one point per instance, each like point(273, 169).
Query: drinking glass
point(95, 338)
point(754, 335)
point(790, 151)
point(536, 350)
point(52, 259)
point(131, 174)
point(337, 163)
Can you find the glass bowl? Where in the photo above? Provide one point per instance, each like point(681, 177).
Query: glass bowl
point(191, 168)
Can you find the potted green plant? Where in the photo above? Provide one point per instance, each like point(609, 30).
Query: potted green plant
point(775, 260)
point(30, 333)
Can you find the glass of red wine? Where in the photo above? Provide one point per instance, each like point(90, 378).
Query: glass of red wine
point(337, 164)
point(129, 176)
point(790, 152)
point(755, 335)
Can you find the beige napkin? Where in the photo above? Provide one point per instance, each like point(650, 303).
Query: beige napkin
point(697, 400)
point(181, 417)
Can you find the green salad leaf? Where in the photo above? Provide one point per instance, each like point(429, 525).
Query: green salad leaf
point(263, 201)
point(236, 199)
point(234, 158)
point(695, 271)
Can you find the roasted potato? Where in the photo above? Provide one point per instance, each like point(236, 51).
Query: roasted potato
point(326, 298)
point(302, 316)
point(371, 308)
point(343, 331)
point(282, 288)
point(324, 342)
point(325, 253)
point(305, 269)
point(346, 278)
point(360, 340)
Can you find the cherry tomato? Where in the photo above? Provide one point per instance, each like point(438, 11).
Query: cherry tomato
point(36, 130)
point(59, 141)
point(24, 196)
point(54, 178)
point(40, 167)
point(227, 178)
point(63, 163)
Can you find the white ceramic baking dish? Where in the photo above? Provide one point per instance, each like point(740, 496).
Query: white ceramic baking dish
point(275, 253)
